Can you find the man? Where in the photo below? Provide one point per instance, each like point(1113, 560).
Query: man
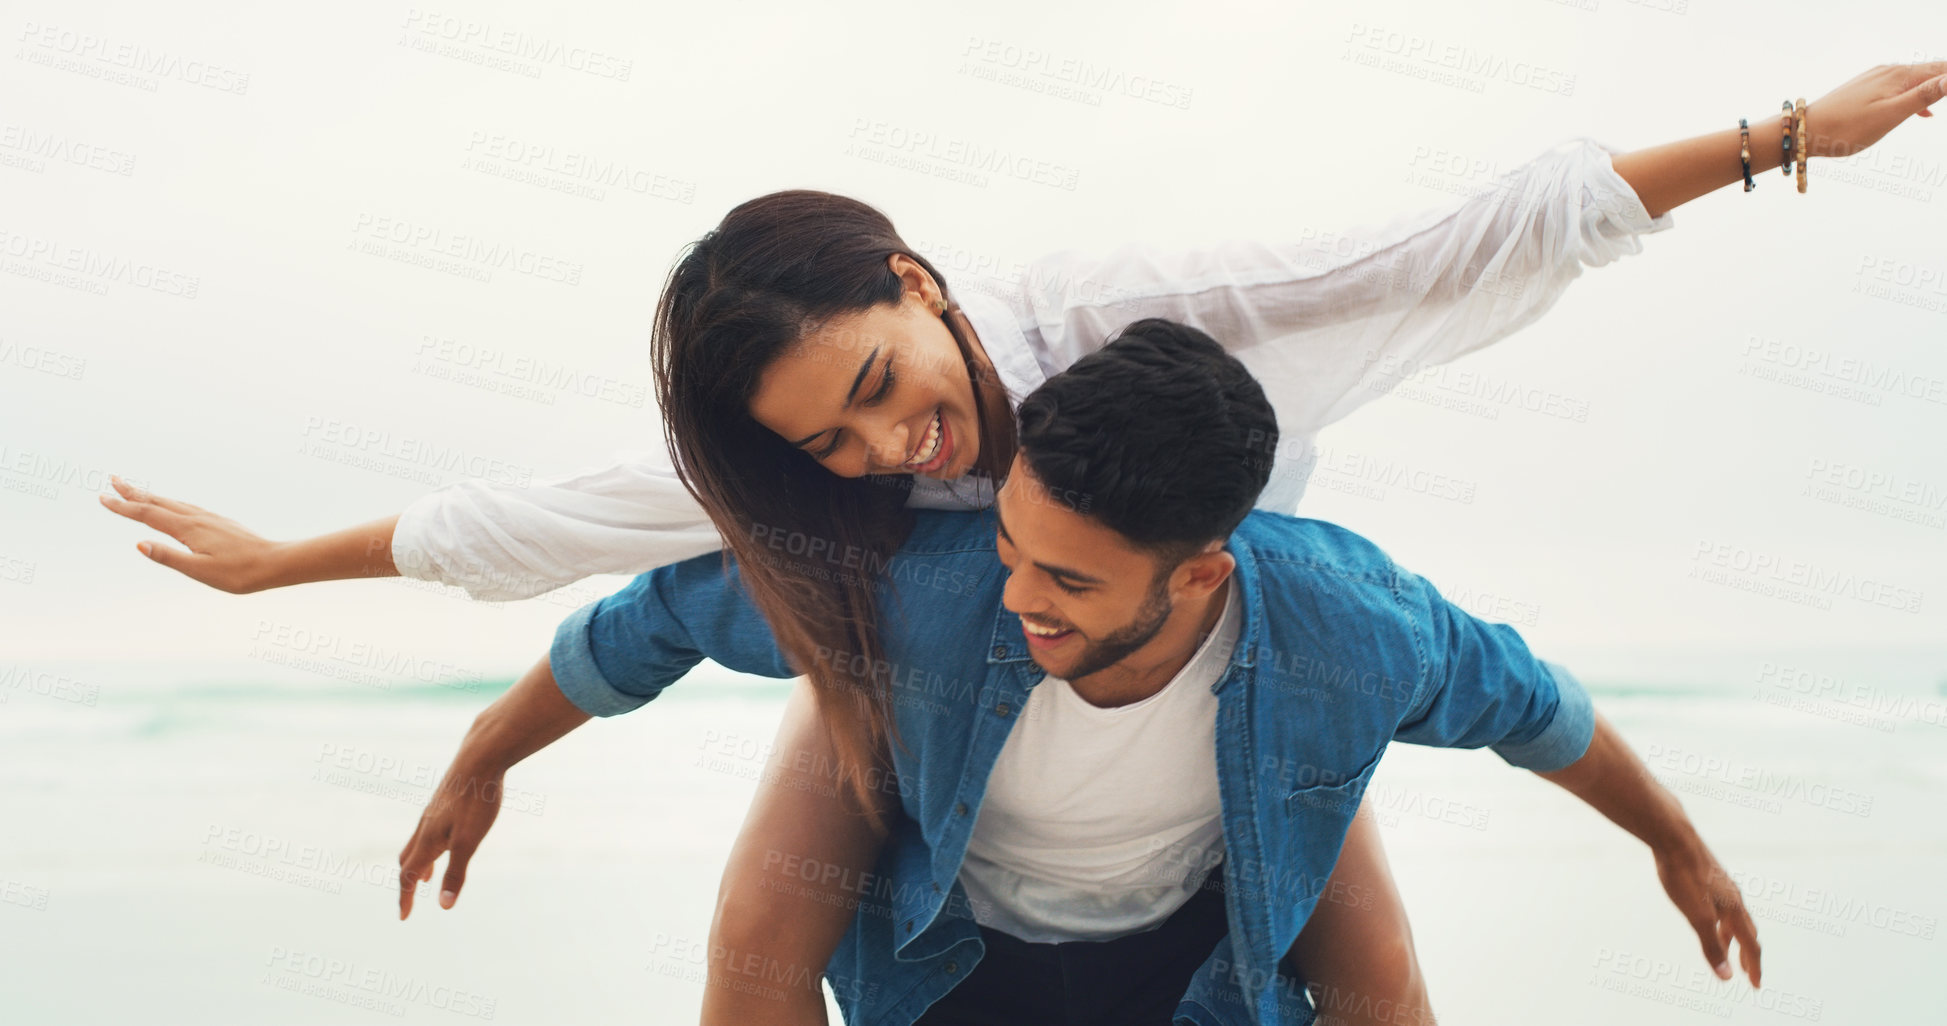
point(1058, 707)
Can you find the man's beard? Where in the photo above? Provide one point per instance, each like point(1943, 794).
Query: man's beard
point(1117, 646)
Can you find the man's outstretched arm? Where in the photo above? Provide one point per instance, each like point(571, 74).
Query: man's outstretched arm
point(532, 715)
point(1483, 686)
point(1615, 783)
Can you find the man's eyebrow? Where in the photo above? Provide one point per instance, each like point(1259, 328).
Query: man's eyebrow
point(1058, 571)
point(856, 382)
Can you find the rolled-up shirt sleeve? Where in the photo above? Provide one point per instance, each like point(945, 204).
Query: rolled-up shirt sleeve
point(503, 542)
point(1482, 687)
point(1336, 320)
point(613, 655)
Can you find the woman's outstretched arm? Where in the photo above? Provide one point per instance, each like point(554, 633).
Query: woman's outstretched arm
point(1839, 124)
point(497, 541)
point(228, 556)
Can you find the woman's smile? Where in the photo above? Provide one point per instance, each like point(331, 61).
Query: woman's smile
point(935, 449)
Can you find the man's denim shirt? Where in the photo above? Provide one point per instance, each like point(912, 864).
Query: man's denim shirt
point(1339, 653)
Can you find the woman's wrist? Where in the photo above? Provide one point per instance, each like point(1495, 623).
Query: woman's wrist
point(356, 552)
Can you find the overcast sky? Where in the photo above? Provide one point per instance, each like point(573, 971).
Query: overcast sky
point(1763, 391)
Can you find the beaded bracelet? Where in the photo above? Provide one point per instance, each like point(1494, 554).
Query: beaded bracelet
point(1798, 120)
point(1744, 152)
point(1785, 133)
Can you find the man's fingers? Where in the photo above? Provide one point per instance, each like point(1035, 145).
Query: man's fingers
point(449, 888)
point(415, 864)
point(1714, 955)
point(1750, 955)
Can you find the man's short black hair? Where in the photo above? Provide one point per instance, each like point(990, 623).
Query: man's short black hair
point(1163, 436)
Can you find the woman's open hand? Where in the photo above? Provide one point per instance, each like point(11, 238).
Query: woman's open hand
point(1857, 114)
point(220, 552)
point(230, 557)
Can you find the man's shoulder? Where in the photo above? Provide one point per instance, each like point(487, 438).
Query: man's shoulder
point(1282, 544)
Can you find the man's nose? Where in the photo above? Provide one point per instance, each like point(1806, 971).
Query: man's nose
point(1018, 595)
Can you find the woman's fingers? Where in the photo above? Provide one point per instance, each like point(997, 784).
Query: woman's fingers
point(167, 521)
point(174, 558)
point(1927, 92)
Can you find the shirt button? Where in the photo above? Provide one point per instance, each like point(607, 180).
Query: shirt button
point(1002, 709)
point(936, 887)
point(960, 809)
point(909, 926)
point(952, 967)
point(1000, 652)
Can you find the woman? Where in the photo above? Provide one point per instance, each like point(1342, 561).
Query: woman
point(1310, 321)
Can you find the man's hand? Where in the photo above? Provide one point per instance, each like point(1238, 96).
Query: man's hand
point(1615, 783)
point(530, 716)
point(456, 820)
point(1711, 901)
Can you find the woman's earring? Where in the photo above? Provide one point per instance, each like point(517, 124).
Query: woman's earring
point(939, 306)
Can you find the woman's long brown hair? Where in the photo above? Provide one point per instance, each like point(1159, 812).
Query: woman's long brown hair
point(775, 269)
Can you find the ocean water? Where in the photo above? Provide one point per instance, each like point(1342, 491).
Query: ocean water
point(217, 846)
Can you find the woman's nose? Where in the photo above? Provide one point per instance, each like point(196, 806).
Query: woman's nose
point(888, 448)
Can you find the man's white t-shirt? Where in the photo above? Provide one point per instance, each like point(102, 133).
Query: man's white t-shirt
point(1099, 823)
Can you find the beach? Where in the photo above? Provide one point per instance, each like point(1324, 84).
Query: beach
point(213, 850)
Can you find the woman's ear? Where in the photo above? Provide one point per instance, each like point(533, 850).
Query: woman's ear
point(914, 278)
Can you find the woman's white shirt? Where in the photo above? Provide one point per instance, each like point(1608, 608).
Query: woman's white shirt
point(1326, 325)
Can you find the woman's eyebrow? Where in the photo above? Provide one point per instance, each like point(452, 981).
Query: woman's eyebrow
point(864, 368)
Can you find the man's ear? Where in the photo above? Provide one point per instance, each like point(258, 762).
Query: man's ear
point(1202, 574)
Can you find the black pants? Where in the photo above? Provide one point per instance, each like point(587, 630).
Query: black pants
point(1129, 981)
